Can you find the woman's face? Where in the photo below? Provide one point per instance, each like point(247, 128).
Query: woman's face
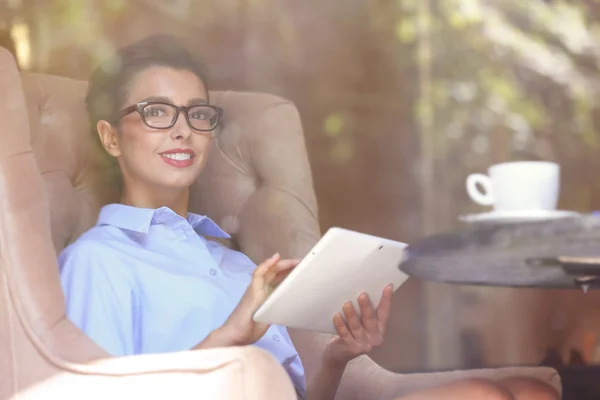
point(159, 158)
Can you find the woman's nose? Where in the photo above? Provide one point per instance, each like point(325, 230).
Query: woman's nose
point(181, 129)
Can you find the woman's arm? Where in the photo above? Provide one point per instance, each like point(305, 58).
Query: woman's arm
point(220, 337)
point(98, 297)
point(240, 329)
point(357, 335)
point(325, 383)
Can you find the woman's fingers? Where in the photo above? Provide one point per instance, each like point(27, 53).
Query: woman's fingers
point(281, 267)
point(343, 332)
point(274, 263)
point(383, 310)
point(367, 315)
point(284, 265)
point(281, 276)
point(271, 272)
point(354, 323)
point(266, 265)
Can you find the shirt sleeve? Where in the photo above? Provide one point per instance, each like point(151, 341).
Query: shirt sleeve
point(99, 299)
point(295, 368)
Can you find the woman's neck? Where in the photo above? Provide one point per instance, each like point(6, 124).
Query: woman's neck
point(177, 201)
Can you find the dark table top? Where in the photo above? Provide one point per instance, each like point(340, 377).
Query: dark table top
point(506, 254)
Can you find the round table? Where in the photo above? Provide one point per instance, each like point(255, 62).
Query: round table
point(562, 253)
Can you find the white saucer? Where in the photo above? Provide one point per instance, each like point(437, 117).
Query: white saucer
point(517, 216)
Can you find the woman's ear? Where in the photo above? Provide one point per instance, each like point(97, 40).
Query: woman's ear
point(108, 137)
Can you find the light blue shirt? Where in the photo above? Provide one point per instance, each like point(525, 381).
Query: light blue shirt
point(147, 281)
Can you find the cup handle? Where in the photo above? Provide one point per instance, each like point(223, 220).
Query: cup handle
point(487, 197)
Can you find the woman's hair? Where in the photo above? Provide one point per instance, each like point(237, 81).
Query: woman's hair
point(111, 80)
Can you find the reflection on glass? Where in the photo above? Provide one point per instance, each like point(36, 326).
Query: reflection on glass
point(20, 35)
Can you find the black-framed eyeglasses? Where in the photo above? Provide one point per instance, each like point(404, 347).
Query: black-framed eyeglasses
point(163, 115)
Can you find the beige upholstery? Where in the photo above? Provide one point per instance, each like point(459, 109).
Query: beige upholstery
point(257, 185)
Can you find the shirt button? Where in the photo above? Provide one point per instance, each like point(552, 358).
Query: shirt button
point(212, 271)
point(276, 338)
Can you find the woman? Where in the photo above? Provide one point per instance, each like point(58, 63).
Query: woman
point(145, 279)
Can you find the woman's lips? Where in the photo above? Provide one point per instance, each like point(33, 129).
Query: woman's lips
point(178, 158)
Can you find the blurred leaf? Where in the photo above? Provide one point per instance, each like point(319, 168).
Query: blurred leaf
point(532, 111)
point(406, 30)
point(334, 124)
point(423, 111)
point(499, 85)
point(583, 117)
point(440, 95)
point(408, 5)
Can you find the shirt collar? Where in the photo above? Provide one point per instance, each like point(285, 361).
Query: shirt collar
point(140, 219)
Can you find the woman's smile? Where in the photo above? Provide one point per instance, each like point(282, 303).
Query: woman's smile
point(178, 158)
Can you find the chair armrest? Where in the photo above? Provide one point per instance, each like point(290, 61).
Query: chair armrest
point(364, 379)
point(224, 373)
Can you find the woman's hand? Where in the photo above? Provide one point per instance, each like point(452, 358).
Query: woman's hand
point(358, 335)
point(240, 328)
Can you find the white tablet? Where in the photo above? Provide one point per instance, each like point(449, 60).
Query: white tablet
point(342, 265)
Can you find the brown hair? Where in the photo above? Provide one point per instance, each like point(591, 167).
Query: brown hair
point(110, 81)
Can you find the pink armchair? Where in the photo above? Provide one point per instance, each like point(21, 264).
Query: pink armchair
point(257, 185)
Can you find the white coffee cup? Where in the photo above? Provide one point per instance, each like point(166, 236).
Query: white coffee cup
point(517, 186)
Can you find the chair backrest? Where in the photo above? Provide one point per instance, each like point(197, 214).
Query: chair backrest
point(260, 152)
point(257, 185)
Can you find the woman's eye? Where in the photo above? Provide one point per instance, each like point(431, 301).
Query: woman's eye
point(198, 115)
point(154, 112)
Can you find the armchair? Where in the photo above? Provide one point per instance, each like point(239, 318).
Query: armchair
point(257, 186)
